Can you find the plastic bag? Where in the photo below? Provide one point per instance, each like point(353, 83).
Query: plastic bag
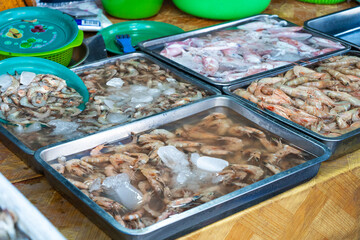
point(88, 15)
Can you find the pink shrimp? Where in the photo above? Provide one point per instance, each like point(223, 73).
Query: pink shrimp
point(97, 150)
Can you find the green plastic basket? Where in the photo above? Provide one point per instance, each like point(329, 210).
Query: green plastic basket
point(62, 55)
point(323, 1)
point(38, 32)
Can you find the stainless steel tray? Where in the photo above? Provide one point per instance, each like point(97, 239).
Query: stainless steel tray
point(19, 147)
point(206, 213)
point(344, 25)
point(338, 146)
point(154, 46)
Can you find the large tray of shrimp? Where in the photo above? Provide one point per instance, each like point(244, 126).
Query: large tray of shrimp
point(122, 89)
point(235, 51)
point(321, 100)
point(170, 174)
point(19, 219)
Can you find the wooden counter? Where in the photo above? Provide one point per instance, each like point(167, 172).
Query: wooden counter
point(327, 207)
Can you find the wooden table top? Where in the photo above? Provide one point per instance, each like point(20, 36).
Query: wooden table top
point(327, 207)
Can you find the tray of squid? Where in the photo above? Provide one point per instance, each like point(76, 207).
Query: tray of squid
point(122, 89)
point(321, 100)
point(236, 51)
point(173, 173)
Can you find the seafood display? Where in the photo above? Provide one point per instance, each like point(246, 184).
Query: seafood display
point(165, 171)
point(324, 98)
point(119, 92)
point(247, 49)
point(30, 98)
point(9, 229)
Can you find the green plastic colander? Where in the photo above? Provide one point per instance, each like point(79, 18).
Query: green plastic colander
point(38, 32)
point(44, 66)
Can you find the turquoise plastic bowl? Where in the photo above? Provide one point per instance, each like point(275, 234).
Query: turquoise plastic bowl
point(132, 9)
point(44, 66)
point(222, 9)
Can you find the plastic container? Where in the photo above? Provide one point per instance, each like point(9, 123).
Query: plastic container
point(38, 32)
point(139, 31)
point(132, 9)
point(222, 9)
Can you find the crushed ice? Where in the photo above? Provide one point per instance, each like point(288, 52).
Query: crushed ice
point(63, 127)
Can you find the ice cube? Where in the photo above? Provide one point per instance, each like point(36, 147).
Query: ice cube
point(138, 88)
point(169, 91)
point(115, 82)
point(120, 189)
point(95, 185)
point(5, 82)
point(154, 92)
point(182, 177)
point(117, 117)
point(27, 77)
point(211, 164)
point(142, 99)
point(18, 128)
point(194, 157)
point(109, 103)
point(173, 158)
point(217, 179)
point(36, 126)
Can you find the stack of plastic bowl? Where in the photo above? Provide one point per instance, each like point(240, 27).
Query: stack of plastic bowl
point(38, 32)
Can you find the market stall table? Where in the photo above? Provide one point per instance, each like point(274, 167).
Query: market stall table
point(327, 207)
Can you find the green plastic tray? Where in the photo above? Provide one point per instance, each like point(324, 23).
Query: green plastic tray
point(32, 30)
point(138, 30)
point(38, 32)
